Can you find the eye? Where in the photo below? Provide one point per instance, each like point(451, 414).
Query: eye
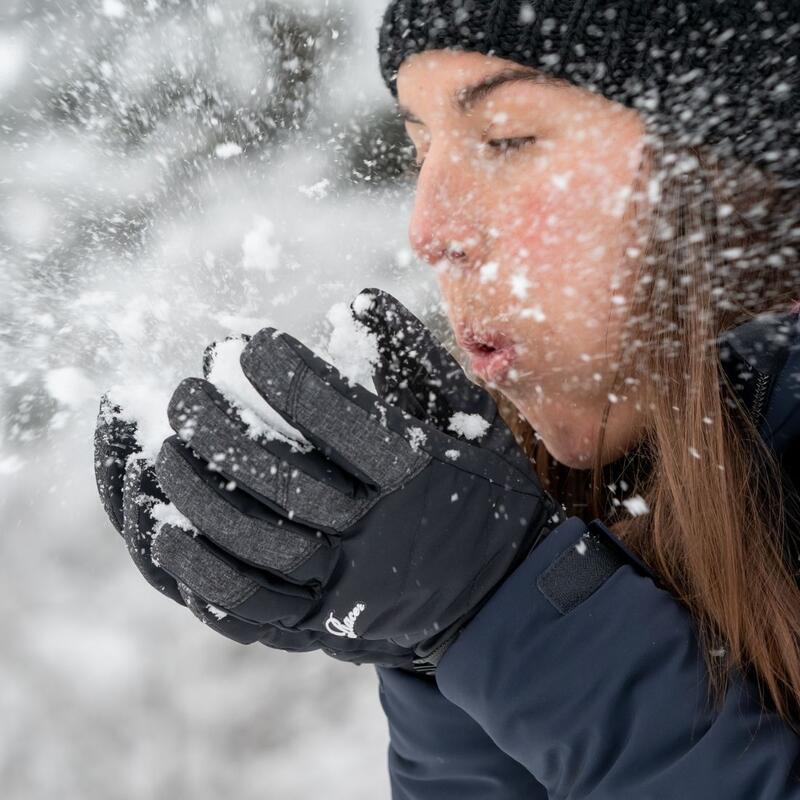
point(500, 146)
point(504, 145)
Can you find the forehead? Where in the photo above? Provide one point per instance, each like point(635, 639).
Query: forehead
point(456, 81)
point(443, 72)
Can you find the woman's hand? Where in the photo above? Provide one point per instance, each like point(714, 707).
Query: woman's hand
point(380, 543)
point(133, 499)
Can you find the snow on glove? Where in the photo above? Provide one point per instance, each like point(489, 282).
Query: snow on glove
point(128, 489)
point(389, 532)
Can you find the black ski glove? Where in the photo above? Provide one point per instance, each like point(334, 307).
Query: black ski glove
point(386, 538)
point(128, 487)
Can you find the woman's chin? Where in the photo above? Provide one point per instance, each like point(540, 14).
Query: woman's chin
point(569, 454)
point(558, 429)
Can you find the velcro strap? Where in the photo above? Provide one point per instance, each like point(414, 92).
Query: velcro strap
point(579, 571)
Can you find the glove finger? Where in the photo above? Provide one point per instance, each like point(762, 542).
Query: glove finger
point(429, 378)
point(349, 424)
point(230, 586)
point(413, 362)
point(237, 522)
point(210, 353)
point(139, 494)
point(218, 620)
point(306, 487)
point(114, 441)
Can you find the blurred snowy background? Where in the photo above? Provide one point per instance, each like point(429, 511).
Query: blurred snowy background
point(172, 172)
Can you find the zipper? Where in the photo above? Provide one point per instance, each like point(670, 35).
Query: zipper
point(760, 395)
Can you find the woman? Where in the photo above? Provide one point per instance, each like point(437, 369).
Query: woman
point(617, 250)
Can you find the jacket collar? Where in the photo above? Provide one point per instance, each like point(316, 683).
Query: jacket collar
point(762, 359)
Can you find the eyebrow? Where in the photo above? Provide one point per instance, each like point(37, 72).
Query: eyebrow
point(463, 99)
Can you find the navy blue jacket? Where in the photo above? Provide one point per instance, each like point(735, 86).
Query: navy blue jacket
point(558, 691)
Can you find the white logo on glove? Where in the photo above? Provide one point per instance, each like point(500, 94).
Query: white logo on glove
point(344, 627)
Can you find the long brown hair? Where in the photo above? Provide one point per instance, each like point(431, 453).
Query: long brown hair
point(720, 247)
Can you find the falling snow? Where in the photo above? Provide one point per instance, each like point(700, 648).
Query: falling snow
point(470, 426)
point(416, 438)
point(175, 173)
point(227, 150)
point(636, 505)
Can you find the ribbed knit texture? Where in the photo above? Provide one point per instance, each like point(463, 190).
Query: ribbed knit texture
point(719, 72)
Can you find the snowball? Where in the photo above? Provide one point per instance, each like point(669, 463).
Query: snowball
point(470, 426)
point(352, 348)
point(261, 419)
point(260, 251)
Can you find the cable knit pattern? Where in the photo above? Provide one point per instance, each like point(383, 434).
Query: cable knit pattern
point(725, 73)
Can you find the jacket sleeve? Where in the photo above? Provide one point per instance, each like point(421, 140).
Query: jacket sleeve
point(437, 752)
point(581, 668)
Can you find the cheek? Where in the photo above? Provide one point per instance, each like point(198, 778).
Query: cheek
point(567, 221)
point(566, 250)
point(570, 254)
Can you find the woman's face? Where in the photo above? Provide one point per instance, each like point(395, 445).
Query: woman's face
point(529, 237)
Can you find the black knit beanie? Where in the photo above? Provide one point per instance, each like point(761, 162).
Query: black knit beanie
point(723, 73)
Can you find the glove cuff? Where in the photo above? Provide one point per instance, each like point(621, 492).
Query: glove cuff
point(431, 651)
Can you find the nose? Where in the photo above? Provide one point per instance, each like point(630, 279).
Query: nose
point(444, 220)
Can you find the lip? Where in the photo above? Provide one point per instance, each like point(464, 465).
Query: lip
point(491, 354)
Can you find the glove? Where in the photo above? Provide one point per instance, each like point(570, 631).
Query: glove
point(383, 540)
point(130, 491)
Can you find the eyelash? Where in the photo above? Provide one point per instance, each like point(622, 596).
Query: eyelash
point(516, 143)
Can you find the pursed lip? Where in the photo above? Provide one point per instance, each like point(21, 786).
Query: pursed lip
point(491, 353)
